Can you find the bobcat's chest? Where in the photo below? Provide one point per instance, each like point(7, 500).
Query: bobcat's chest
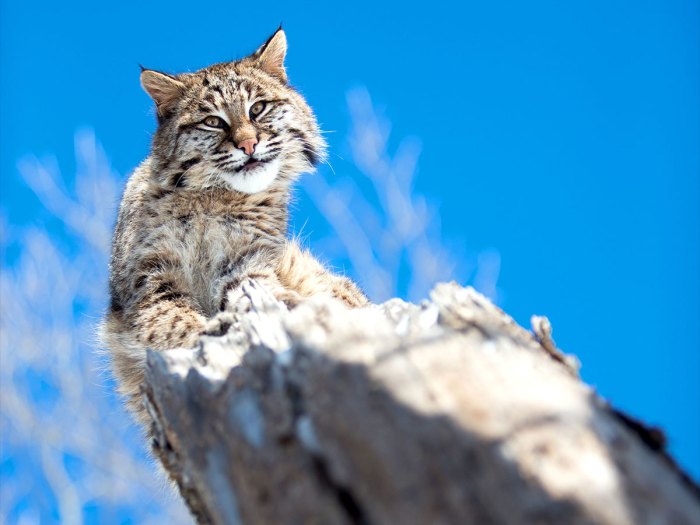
point(208, 245)
point(214, 236)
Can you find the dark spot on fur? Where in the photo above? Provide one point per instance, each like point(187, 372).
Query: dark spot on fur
point(272, 151)
point(165, 292)
point(164, 287)
point(220, 330)
point(311, 156)
point(115, 305)
point(179, 180)
point(233, 218)
point(310, 153)
point(159, 193)
point(224, 268)
point(155, 262)
point(233, 283)
point(187, 164)
point(171, 296)
point(257, 276)
point(140, 281)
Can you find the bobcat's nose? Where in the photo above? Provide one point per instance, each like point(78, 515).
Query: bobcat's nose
point(247, 145)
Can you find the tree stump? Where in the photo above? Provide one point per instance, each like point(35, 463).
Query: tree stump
point(446, 412)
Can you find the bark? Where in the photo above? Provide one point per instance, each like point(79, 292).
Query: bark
point(443, 413)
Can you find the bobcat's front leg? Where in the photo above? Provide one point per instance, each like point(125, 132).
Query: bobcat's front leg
point(160, 317)
point(271, 282)
point(234, 300)
point(168, 323)
point(301, 272)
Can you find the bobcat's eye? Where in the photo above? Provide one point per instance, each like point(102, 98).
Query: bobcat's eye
point(257, 108)
point(214, 122)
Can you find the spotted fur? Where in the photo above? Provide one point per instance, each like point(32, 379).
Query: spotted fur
point(200, 214)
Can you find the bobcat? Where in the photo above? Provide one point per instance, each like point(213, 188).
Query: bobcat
point(207, 209)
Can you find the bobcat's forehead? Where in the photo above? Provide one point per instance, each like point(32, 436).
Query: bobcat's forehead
point(230, 87)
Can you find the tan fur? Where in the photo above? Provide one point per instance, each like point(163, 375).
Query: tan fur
point(298, 270)
point(195, 221)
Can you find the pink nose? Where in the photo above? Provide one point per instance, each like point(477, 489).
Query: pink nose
point(247, 145)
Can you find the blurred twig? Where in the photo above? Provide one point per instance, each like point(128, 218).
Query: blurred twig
point(390, 233)
point(65, 437)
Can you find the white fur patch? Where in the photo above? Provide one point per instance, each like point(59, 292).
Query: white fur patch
point(255, 180)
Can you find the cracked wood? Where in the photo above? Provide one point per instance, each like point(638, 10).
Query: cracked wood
point(444, 413)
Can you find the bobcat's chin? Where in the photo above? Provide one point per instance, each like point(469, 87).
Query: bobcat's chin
point(253, 178)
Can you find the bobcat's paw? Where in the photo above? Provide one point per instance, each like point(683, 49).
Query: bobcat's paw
point(219, 324)
point(289, 297)
point(348, 292)
point(237, 300)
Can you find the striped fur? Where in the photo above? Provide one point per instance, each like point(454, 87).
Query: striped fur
point(199, 215)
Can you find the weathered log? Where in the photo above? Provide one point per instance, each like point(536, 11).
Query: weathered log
point(443, 413)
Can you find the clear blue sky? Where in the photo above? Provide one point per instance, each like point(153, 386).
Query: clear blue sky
point(564, 136)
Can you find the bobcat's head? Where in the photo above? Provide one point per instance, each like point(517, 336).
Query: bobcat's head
point(237, 124)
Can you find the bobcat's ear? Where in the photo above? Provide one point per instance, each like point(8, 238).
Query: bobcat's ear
point(163, 89)
point(270, 56)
